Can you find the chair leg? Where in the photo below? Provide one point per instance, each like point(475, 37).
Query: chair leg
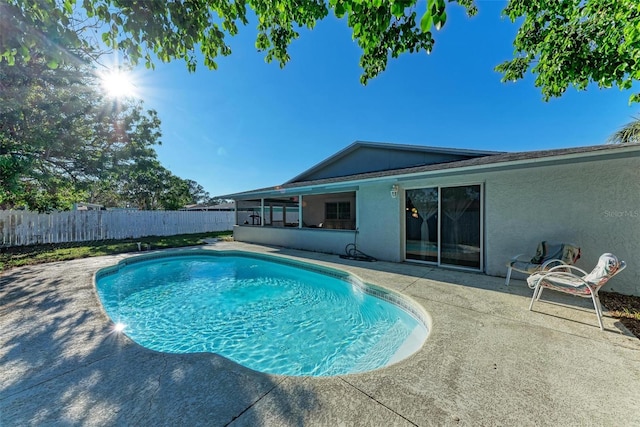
point(508, 276)
point(598, 307)
point(535, 295)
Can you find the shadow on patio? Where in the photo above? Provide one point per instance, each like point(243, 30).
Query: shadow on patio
point(60, 363)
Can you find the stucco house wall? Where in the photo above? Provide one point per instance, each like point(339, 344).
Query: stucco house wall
point(589, 196)
point(594, 204)
point(584, 203)
point(379, 225)
point(317, 240)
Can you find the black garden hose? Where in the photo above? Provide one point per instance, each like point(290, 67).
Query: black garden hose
point(352, 252)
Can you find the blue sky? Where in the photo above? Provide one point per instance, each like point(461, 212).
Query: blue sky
point(250, 124)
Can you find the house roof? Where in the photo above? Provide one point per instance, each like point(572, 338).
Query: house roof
point(206, 207)
point(499, 161)
point(396, 156)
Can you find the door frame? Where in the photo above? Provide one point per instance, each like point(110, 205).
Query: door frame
point(439, 263)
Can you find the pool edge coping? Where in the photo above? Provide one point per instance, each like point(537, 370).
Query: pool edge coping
point(404, 302)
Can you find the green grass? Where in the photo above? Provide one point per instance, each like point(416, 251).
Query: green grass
point(39, 254)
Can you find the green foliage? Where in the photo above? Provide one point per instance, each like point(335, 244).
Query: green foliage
point(628, 134)
point(43, 135)
point(62, 141)
point(383, 29)
point(174, 30)
point(575, 43)
point(563, 43)
point(197, 193)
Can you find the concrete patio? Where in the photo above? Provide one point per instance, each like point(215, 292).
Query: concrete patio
point(487, 360)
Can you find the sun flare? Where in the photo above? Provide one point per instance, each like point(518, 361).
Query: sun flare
point(118, 84)
point(119, 327)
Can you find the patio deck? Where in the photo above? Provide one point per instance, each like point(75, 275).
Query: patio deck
point(487, 360)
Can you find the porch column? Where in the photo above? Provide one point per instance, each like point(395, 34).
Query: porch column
point(271, 213)
point(300, 211)
point(284, 214)
point(235, 211)
point(262, 212)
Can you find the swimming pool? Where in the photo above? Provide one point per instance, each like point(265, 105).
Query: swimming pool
point(269, 314)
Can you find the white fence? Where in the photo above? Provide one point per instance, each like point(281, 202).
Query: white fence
point(20, 228)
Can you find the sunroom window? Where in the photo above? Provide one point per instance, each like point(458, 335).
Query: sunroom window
point(338, 210)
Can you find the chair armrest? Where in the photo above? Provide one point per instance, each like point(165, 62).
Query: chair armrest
point(563, 268)
point(572, 277)
point(555, 276)
point(516, 258)
point(560, 272)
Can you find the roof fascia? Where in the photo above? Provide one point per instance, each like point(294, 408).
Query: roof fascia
point(343, 187)
point(430, 149)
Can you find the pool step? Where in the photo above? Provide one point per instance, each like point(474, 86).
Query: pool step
point(380, 350)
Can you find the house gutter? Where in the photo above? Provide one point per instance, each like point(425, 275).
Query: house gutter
point(529, 163)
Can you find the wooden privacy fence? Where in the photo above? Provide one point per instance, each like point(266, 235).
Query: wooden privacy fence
point(21, 228)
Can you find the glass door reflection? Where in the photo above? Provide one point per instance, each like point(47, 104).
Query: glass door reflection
point(443, 225)
point(421, 223)
point(460, 226)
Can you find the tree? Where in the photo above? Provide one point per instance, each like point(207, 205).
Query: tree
point(628, 134)
point(44, 129)
point(576, 43)
point(62, 141)
point(148, 185)
point(197, 193)
point(563, 43)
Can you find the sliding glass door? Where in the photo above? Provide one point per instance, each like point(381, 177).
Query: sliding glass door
point(421, 223)
point(444, 225)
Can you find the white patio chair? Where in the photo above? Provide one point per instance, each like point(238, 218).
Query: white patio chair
point(547, 255)
point(564, 278)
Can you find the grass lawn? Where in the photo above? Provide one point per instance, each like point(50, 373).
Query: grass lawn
point(38, 254)
point(624, 307)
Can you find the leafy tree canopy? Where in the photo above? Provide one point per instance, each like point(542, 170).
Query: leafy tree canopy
point(562, 42)
point(628, 134)
point(62, 141)
point(576, 42)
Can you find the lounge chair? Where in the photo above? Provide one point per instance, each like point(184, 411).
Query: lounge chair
point(570, 279)
point(547, 255)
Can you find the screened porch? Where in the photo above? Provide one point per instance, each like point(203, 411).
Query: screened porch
point(328, 211)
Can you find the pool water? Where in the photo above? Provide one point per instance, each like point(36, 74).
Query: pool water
point(267, 316)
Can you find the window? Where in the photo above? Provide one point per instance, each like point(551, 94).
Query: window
point(338, 210)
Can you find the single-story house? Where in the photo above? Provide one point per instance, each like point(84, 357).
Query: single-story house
point(456, 208)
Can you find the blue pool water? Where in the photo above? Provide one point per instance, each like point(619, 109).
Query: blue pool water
point(267, 316)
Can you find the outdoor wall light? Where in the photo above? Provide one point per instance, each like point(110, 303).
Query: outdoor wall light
point(394, 191)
